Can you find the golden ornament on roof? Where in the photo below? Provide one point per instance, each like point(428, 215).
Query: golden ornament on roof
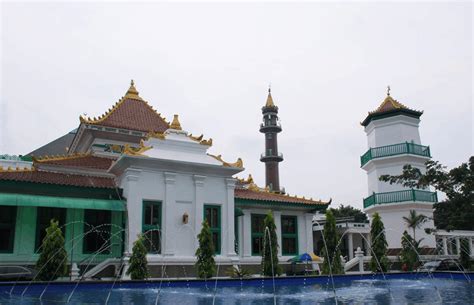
point(175, 124)
point(132, 151)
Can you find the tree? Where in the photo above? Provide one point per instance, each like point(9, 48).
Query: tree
point(52, 262)
point(138, 269)
point(270, 264)
point(464, 257)
point(379, 260)
point(409, 253)
point(349, 211)
point(414, 221)
point(331, 251)
point(457, 211)
point(205, 265)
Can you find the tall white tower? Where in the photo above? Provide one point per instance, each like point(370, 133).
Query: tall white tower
point(394, 140)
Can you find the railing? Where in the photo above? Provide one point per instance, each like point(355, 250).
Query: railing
point(400, 196)
point(396, 149)
point(265, 155)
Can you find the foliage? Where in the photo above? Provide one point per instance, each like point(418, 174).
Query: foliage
point(52, 262)
point(457, 211)
point(409, 253)
point(331, 252)
point(239, 272)
point(414, 221)
point(205, 265)
point(138, 269)
point(349, 211)
point(464, 257)
point(270, 247)
point(378, 245)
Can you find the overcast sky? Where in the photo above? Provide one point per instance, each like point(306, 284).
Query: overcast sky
point(328, 65)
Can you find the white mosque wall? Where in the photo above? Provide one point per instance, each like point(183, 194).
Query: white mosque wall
point(392, 217)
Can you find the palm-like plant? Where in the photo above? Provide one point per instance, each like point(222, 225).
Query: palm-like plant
point(415, 221)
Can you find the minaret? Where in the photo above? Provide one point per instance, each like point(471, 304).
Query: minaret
point(394, 140)
point(271, 127)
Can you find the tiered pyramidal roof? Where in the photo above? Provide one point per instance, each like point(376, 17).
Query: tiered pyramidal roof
point(131, 112)
point(390, 107)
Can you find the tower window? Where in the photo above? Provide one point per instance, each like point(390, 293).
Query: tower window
point(269, 136)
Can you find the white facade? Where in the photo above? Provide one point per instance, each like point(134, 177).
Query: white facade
point(177, 173)
point(394, 141)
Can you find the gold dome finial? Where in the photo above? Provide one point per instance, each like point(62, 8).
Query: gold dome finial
point(269, 102)
point(132, 92)
point(175, 124)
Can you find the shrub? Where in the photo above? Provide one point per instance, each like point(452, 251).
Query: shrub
point(270, 247)
point(205, 265)
point(52, 262)
point(332, 254)
point(138, 269)
point(379, 260)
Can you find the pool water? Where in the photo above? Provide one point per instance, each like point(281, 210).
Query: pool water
point(439, 288)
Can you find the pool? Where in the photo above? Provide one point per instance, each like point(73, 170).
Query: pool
point(400, 288)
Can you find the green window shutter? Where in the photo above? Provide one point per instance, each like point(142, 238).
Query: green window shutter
point(97, 231)
point(151, 225)
point(257, 229)
point(7, 228)
point(289, 235)
point(212, 213)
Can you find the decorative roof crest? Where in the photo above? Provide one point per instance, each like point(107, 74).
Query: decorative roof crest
point(239, 163)
point(131, 151)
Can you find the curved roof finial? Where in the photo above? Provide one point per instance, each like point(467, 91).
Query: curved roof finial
point(132, 92)
point(388, 90)
point(175, 124)
point(269, 102)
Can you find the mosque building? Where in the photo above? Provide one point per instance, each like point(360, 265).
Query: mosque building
point(130, 172)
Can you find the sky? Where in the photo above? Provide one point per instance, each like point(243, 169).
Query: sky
point(328, 65)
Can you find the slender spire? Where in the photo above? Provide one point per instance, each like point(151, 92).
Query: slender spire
point(269, 102)
point(388, 90)
point(175, 124)
point(132, 92)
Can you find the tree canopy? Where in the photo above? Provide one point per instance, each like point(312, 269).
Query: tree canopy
point(349, 211)
point(457, 211)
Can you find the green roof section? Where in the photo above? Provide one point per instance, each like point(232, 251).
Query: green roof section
point(61, 202)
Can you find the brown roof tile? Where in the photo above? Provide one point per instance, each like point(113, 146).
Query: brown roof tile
point(131, 112)
point(37, 176)
point(78, 161)
point(244, 193)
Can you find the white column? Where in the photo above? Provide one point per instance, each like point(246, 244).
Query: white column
point(230, 238)
point(471, 248)
point(368, 243)
point(350, 245)
point(458, 246)
point(277, 217)
point(134, 208)
point(247, 236)
point(170, 200)
point(445, 245)
point(198, 204)
point(309, 233)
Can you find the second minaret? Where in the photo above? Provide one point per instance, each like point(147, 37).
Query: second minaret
point(271, 127)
